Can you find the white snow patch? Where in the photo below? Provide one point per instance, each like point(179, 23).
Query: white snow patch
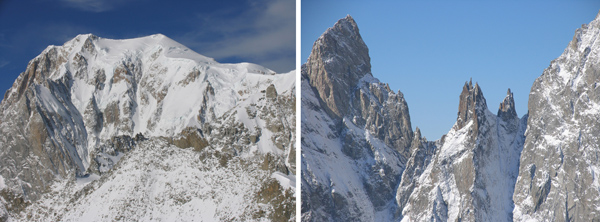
point(2, 184)
point(82, 181)
point(454, 141)
point(286, 181)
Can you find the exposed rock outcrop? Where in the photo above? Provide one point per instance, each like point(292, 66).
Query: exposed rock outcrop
point(81, 108)
point(339, 59)
point(470, 175)
point(350, 121)
point(507, 107)
point(471, 107)
point(558, 176)
point(540, 167)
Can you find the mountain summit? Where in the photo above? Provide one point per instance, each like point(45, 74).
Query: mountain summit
point(362, 161)
point(82, 112)
point(339, 59)
point(350, 121)
point(470, 173)
point(472, 104)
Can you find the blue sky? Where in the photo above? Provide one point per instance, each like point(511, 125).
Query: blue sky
point(428, 49)
point(257, 31)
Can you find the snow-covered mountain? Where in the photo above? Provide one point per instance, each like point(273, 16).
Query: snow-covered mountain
point(469, 174)
point(560, 170)
point(358, 146)
point(355, 132)
point(145, 120)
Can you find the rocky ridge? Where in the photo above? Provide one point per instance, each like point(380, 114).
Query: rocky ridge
point(489, 167)
point(558, 176)
point(351, 121)
point(470, 173)
point(79, 108)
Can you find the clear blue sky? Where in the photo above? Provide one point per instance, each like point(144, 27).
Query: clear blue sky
point(428, 49)
point(257, 31)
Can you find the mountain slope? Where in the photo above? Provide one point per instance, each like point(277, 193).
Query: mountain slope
point(489, 167)
point(81, 107)
point(355, 132)
point(469, 174)
point(558, 176)
point(205, 189)
point(361, 161)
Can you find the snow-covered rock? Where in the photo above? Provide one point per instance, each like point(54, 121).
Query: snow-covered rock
point(558, 176)
point(540, 167)
point(80, 108)
point(469, 174)
point(361, 160)
point(355, 132)
point(143, 187)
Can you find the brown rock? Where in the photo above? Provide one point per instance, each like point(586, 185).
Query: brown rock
point(339, 58)
point(190, 137)
point(271, 92)
point(471, 106)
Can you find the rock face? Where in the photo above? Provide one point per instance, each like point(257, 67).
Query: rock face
point(362, 162)
point(339, 59)
point(541, 167)
point(507, 107)
point(559, 171)
point(471, 107)
point(350, 121)
point(81, 107)
point(423, 152)
point(470, 173)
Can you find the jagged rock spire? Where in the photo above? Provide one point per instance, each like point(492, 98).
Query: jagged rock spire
point(507, 107)
point(339, 59)
point(472, 104)
point(417, 133)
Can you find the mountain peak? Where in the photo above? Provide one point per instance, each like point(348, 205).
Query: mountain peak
point(339, 59)
point(86, 36)
point(344, 39)
point(140, 45)
point(417, 133)
point(158, 35)
point(507, 106)
point(77, 107)
point(349, 17)
point(346, 25)
point(472, 104)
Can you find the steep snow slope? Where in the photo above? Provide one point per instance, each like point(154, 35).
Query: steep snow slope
point(336, 183)
point(558, 176)
point(79, 108)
